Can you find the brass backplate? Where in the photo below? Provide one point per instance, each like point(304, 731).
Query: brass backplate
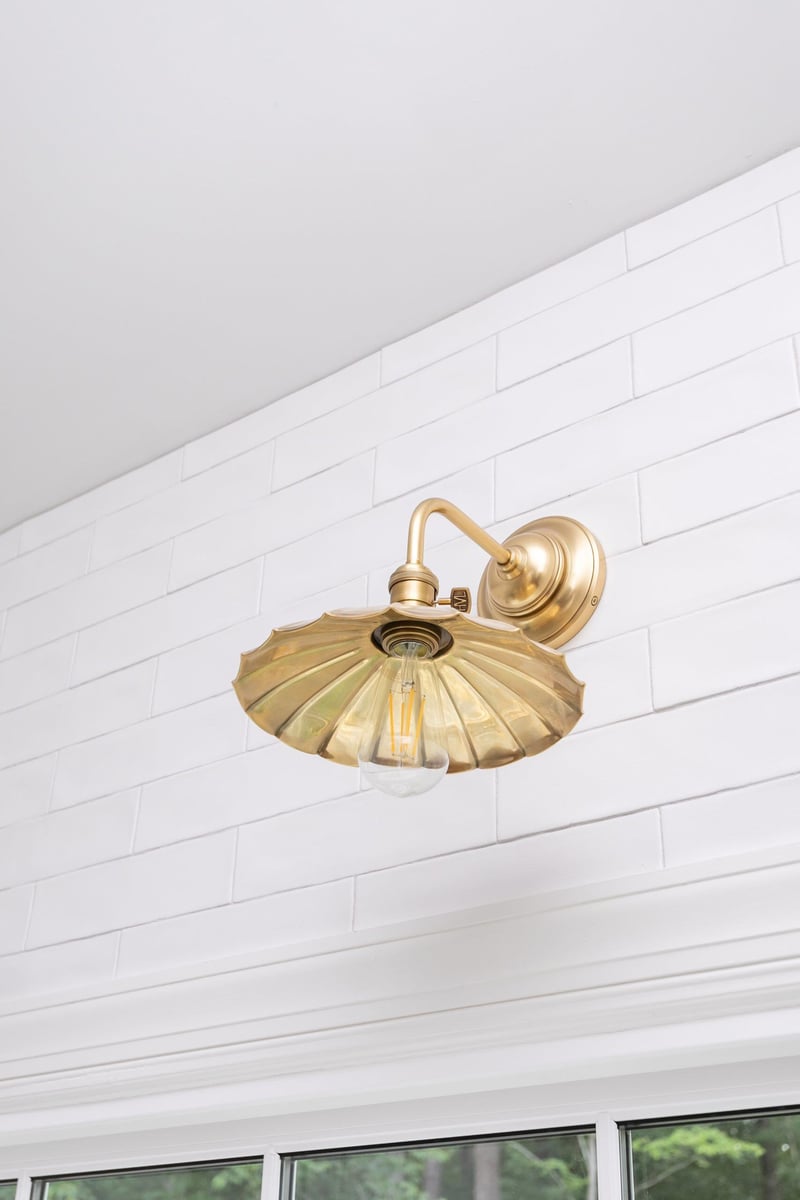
point(553, 585)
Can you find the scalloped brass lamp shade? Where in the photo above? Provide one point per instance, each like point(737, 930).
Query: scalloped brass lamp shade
point(414, 689)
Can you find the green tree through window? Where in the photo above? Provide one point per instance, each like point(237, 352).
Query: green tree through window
point(552, 1167)
point(220, 1181)
point(742, 1158)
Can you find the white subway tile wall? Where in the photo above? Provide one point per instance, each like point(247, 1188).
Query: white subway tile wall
point(648, 387)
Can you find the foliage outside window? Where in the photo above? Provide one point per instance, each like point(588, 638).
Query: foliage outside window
point(547, 1167)
point(753, 1157)
point(218, 1181)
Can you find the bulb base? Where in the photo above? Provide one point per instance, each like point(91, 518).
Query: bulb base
point(433, 638)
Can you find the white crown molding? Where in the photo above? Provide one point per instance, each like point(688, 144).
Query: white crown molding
point(539, 993)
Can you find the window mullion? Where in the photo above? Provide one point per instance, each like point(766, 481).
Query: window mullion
point(609, 1159)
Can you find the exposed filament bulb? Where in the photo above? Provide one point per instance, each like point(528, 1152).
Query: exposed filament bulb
point(404, 751)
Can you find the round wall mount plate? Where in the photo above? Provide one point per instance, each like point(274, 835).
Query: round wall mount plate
point(554, 585)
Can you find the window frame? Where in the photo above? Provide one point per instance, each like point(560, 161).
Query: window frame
point(612, 1130)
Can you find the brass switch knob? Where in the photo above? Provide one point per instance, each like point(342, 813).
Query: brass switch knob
point(460, 598)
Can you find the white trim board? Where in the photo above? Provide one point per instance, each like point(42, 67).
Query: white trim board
point(528, 995)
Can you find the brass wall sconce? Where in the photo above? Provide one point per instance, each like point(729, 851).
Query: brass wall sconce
point(417, 688)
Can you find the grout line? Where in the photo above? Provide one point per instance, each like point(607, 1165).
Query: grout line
point(670, 316)
point(99, 515)
point(29, 917)
point(117, 950)
point(680, 616)
point(638, 481)
point(51, 790)
point(596, 286)
point(650, 671)
point(796, 358)
point(627, 886)
point(633, 812)
point(661, 838)
point(156, 661)
point(135, 826)
point(709, 233)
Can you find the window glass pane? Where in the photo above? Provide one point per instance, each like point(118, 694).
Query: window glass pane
point(219, 1181)
point(8, 1188)
point(539, 1167)
point(736, 1158)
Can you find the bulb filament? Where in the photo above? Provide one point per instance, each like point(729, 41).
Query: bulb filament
point(401, 744)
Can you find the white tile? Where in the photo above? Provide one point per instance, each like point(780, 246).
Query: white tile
point(161, 746)
point(549, 287)
point(178, 617)
point(617, 678)
point(678, 575)
point(87, 600)
point(59, 968)
point(726, 647)
point(67, 840)
point(740, 738)
point(478, 431)
point(354, 546)
point(244, 788)
point(712, 210)
point(10, 543)
point(206, 667)
point(15, 907)
point(144, 887)
point(716, 263)
point(363, 832)
point(610, 510)
point(77, 714)
point(789, 214)
point(733, 822)
point(724, 328)
point(326, 394)
point(725, 477)
point(442, 388)
point(278, 520)
point(552, 861)
point(109, 497)
point(45, 569)
point(258, 739)
point(187, 505)
point(238, 928)
point(650, 429)
point(40, 672)
point(25, 789)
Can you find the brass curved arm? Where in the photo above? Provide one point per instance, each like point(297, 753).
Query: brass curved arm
point(419, 519)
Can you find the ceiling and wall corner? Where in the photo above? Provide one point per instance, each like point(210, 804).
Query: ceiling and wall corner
point(207, 207)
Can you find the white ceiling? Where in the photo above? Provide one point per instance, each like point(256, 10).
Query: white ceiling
point(206, 204)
